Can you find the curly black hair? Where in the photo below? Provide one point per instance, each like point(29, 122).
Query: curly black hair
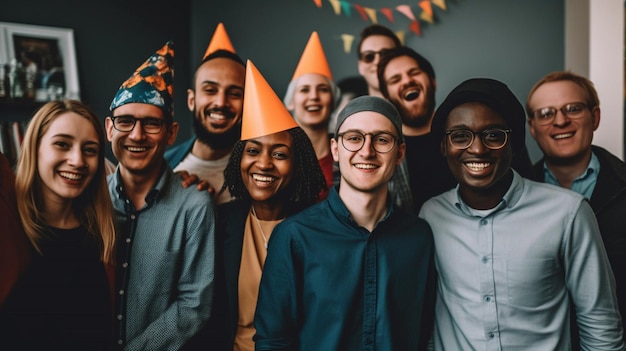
point(307, 181)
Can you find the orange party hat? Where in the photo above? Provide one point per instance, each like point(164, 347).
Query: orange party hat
point(219, 41)
point(263, 112)
point(313, 59)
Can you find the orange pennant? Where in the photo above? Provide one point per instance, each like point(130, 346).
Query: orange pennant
point(318, 3)
point(219, 41)
point(415, 28)
point(263, 112)
point(361, 11)
point(425, 5)
point(313, 59)
point(388, 13)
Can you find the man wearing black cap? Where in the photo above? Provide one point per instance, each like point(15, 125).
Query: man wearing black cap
point(511, 254)
point(353, 272)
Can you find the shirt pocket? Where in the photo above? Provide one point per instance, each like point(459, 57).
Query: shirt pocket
point(532, 282)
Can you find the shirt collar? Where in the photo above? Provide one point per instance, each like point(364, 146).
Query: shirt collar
point(510, 198)
point(166, 174)
point(339, 208)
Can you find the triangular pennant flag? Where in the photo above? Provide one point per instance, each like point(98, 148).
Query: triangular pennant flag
point(219, 41)
point(400, 35)
point(388, 13)
point(263, 112)
point(406, 10)
point(441, 4)
point(347, 39)
point(313, 59)
point(346, 7)
point(361, 11)
point(318, 3)
point(415, 27)
point(426, 17)
point(336, 6)
point(425, 5)
point(371, 13)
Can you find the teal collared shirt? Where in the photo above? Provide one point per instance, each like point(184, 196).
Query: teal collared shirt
point(583, 184)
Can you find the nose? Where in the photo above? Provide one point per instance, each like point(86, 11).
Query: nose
point(264, 161)
point(76, 157)
point(137, 133)
point(560, 119)
point(220, 99)
point(477, 146)
point(368, 147)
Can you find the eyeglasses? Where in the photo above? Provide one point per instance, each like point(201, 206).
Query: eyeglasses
point(353, 141)
point(546, 115)
point(369, 56)
point(150, 125)
point(493, 139)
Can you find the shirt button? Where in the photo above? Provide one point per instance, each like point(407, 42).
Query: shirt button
point(120, 342)
point(132, 217)
point(492, 335)
point(121, 292)
point(487, 298)
point(485, 259)
point(128, 240)
point(119, 317)
point(483, 222)
point(125, 264)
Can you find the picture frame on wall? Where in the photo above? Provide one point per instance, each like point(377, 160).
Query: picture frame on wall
point(47, 56)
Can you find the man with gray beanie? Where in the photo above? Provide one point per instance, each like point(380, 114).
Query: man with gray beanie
point(353, 272)
point(511, 254)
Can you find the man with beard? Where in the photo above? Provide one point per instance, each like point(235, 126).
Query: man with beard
point(407, 79)
point(216, 101)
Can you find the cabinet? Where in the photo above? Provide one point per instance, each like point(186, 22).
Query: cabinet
point(14, 117)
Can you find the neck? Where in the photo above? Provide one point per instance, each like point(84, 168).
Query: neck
point(374, 92)
point(268, 211)
point(60, 215)
point(366, 208)
point(206, 152)
point(566, 170)
point(137, 186)
point(320, 140)
point(415, 131)
point(486, 199)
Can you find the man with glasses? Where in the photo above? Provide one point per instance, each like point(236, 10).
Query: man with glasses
point(563, 112)
point(375, 41)
point(353, 272)
point(511, 254)
point(165, 261)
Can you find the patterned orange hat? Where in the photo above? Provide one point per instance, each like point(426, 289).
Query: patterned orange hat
point(219, 41)
point(313, 59)
point(263, 112)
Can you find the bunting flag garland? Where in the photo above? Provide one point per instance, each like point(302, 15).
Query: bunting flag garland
point(424, 9)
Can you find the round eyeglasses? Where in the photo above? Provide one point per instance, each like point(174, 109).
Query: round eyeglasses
point(573, 110)
point(493, 138)
point(353, 141)
point(150, 125)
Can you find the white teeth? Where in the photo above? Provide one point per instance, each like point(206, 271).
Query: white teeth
point(477, 166)
point(365, 166)
point(313, 108)
point(71, 176)
point(563, 136)
point(137, 149)
point(216, 115)
point(260, 178)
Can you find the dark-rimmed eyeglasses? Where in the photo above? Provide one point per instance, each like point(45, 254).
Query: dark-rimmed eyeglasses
point(546, 115)
point(353, 141)
point(493, 138)
point(369, 56)
point(149, 125)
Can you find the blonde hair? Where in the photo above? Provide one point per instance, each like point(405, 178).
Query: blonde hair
point(93, 207)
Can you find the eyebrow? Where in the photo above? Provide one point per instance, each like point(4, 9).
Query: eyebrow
point(273, 146)
point(369, 132)
point(210, 82)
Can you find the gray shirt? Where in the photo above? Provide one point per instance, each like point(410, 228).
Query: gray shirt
point(507, 275)
point(165, 264)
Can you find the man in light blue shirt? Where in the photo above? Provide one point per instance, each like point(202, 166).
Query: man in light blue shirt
point(165, 261)
point(511, 254)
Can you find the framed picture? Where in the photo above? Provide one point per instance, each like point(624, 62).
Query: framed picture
point(47, 53)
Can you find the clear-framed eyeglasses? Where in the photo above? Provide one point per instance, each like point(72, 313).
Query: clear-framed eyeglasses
point(353, 141)
point(493, 138)
point(150, 125)
point(546, 115)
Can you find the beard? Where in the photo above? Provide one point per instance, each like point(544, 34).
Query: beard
point(218, 141)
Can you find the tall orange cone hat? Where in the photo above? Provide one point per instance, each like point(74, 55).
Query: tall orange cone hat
point(263, 112)
point(313, 59)
point(219, 41)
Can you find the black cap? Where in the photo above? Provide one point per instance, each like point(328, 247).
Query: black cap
point(492, 93)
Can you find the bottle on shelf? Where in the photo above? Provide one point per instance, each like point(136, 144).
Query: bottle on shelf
point(17, 80)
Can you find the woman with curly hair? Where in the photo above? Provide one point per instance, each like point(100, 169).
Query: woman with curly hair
point(273, 173)
point(62, 300)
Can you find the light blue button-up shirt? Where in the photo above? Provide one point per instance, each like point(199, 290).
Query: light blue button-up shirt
point(583, 184)
point(165, 264)
point(507, 275)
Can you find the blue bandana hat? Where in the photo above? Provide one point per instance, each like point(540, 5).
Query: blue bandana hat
point(151, 83)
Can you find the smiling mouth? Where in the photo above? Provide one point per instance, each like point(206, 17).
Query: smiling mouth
point(365, 166)
point(477, 166)
point(411, 95)
point(71, 176)
point(313, 108)
point(136, 148)
point(263, 179)
point(563, 136)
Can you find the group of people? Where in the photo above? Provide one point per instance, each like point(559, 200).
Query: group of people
point(381, 222)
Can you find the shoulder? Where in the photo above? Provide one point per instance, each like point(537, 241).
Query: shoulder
point(177, 153)
point(187, 197)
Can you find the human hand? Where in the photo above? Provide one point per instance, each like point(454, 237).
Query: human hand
point(191, 179)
